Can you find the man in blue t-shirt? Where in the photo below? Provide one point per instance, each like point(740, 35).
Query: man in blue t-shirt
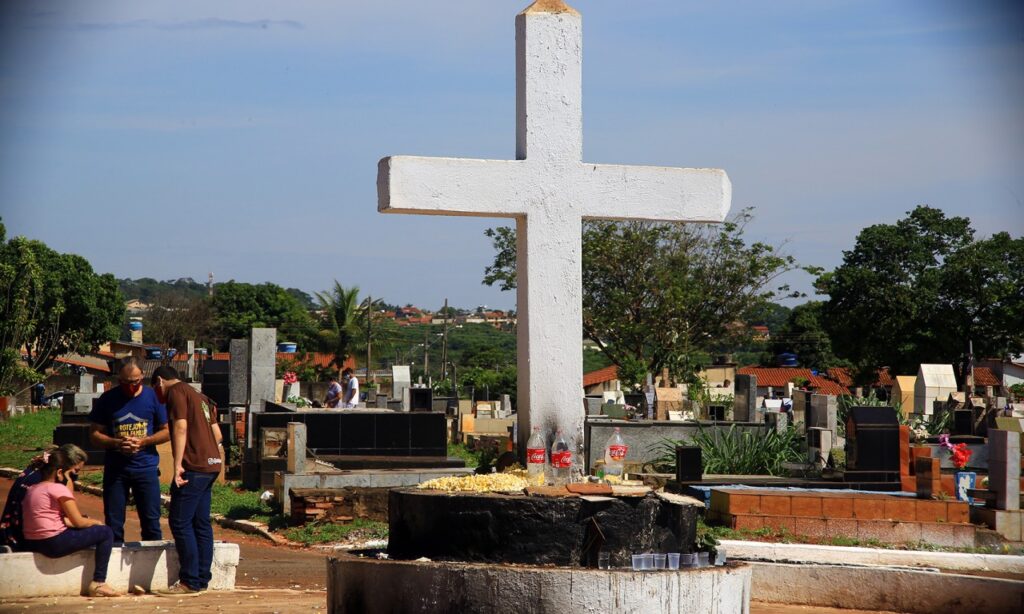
point(129, 422)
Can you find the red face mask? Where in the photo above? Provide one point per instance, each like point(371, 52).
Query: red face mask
point(131, 389)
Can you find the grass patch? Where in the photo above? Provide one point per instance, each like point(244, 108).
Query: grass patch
point(459, 450)
point(231, 501)
point(23, 436)
point(325, 532)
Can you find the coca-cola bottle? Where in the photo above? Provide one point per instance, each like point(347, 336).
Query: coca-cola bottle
point(536, 457)
point(561, 460)
point(615, 454)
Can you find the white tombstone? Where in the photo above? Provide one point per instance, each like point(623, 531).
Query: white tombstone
point(549, 191)
point(401, 379)
point(933, 383)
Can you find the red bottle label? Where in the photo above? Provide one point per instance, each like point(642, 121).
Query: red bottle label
point(561, 460)
point(617, 452)
point(535, 455)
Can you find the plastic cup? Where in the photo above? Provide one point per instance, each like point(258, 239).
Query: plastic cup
point(688, 559)
point(703, 559)
point(604, 560)
point(659, 561)
point(638, 562)
point(648, 561)
point(673, 560)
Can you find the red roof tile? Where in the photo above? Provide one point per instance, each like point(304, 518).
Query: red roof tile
point(983, 376)
point(95, 365)
point(600, 376)
point(778, 377)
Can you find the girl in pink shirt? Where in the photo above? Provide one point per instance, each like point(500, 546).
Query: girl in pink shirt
point(53, 525)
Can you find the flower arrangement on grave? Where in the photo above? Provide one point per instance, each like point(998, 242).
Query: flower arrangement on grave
point(290, 378)
point(958, 452)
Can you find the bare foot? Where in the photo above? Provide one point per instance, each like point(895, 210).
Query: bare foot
point(102, 589)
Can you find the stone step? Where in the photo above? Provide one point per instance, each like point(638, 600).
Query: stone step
point(954, 535)
point(152, 565)
point(811, 504)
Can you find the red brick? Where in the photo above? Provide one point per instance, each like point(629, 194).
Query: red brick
point(948, 486)
point(775, 505)
point(778, 523)
point(868, 508)
point(744, 504)
point(720, 501)
point(931, 511)
point(958, 512)
point(841, 527)
point(901, 508)
point(811, 527)
point(746, 522)
point(918, 452)
point(904, 450)
point(807, 507)
point(908, 483)
point(837, 507)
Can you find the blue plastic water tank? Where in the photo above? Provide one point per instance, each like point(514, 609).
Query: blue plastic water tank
point(287, 347)
point(154, 354)
point(135, 325)
point(786, 359)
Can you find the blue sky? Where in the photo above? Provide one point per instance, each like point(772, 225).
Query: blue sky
point(170, 139)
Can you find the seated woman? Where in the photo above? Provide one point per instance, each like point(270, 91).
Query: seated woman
point(54, 527)
point(11, 520)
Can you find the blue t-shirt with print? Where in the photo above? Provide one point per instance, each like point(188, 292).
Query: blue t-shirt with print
point(124, 416)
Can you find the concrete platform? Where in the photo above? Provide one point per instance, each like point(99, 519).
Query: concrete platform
point(151, 565)
point(365, 478)
point(369, 585)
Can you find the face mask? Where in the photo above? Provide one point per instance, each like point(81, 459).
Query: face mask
point(131, 389)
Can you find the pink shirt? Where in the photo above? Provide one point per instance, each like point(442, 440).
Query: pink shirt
point(41, 510)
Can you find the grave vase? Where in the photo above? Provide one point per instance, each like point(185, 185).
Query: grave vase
point(963, 481)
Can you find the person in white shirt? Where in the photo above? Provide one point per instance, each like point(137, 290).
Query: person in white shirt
point(351, 389)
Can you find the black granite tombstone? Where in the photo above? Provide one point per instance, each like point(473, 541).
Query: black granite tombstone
point(716, 412)
point(963, 422)
point(689, 464)
point(215, 381)
point(873, 445)
point(421, 399)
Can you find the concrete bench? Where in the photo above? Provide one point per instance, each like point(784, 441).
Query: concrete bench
point(152, 565)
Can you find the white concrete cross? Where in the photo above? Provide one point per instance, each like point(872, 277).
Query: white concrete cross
point(549, 190)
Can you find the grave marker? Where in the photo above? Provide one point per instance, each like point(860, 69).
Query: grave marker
point(238, 372)
point(262, 366)
point(549, 191)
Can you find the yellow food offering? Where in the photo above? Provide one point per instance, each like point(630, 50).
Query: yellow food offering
point(492, 482)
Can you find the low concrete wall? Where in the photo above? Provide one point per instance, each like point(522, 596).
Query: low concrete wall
point(644, 436)
point(839, 555)
point(369, 585)
point(883, 588)
point(151, 565)
point(357, 478)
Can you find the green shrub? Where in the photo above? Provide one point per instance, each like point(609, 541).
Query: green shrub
point(737, 451)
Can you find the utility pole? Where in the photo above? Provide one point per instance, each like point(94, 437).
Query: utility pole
point(426, 353)
point(444, 344)
point(369, 321)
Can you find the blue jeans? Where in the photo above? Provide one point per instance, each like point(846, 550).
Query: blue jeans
point(145, 488)
point(74, 540)
point(190, 525)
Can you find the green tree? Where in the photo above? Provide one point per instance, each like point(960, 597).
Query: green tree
point(803, 334)
point(917, 291)
point(663, 295)
point(174, 319)
point(52, 303)
point(340, 321)
point(239, 307)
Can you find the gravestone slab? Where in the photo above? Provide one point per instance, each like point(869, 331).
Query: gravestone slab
point(745, 403)
point(296, 447)
point(262, 366)
point(401, 379)
point(666, 400)
point(238, 372)
point(824, 412)
point(1004, 468)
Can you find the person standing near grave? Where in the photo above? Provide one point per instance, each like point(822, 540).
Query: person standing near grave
point(334, 394)
point(351, 389)
point(195, 445)
point(129, 422)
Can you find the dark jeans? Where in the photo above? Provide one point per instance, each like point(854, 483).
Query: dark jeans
point(190, 525)
point(74, 540)
point(145, 488)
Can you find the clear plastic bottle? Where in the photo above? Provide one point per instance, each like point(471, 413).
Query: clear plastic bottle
point(536, 457)
point(561, 460)
point(615, 453)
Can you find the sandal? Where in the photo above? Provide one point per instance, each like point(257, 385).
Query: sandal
point(102, 589)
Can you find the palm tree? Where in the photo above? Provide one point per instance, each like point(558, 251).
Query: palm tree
point(341, 313)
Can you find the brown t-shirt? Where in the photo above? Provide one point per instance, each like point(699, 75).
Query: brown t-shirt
point(201, 450)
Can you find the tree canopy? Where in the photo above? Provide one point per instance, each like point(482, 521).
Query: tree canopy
point(660, 295)
point(239, 307)
point(919, 290)
point(52, 303)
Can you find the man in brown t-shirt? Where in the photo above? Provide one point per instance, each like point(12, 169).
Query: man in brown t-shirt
point(195, 446)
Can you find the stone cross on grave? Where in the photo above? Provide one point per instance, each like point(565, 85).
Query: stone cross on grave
point(549, 190)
